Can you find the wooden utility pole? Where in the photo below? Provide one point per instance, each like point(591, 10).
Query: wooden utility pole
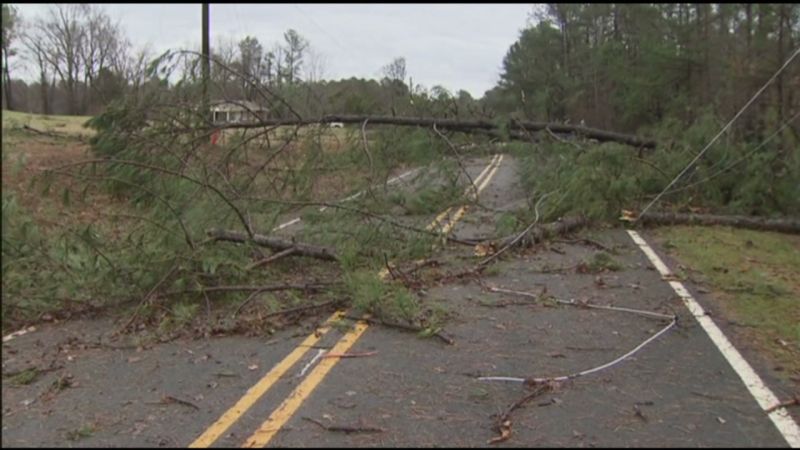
point(206, 61)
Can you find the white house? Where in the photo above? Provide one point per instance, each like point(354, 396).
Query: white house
point(237, 111)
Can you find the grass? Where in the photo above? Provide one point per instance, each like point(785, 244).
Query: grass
point(386, 300)
point(48, 225)
point(83, 432)
point(755, 276)
point(600, 262)
point(71, 125)
point(25, 377)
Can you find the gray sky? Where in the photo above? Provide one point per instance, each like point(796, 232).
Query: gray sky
point(457, 46)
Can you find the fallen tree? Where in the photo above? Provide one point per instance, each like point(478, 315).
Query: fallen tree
point(784, 225)
point(539, 233)
point(516, 129)
point(275, 244)
point(53, 134)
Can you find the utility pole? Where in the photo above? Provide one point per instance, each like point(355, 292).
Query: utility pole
point(206, 61)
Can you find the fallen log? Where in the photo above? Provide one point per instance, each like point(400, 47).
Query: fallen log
point(276, 244)
point(247, 288)
point(53, 134)
point(517, 128)
point(540, 233)
point(784, 225)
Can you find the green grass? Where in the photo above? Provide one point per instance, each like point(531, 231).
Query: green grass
point(602, 261)
point(755, 275)
point(25, 377)
point(72, 125)
point(386, 300)
point(83, 432)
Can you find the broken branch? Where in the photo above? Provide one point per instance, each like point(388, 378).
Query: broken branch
point(271, 258)
point(277, 244)
point(401, 326)
point(345, 428)
point(503, 425)
point(791, 402)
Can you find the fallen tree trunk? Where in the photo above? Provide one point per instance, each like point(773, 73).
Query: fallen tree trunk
point(540, 233)
point(517, 128)
point(276, 244)
point(243, 288)
point(53, 134)
point(786, 225)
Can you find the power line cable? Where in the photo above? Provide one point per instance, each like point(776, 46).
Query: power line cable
point(347, 51)
point(738, 161)
point(724, 129)
point(239, 20)
point(317, 26)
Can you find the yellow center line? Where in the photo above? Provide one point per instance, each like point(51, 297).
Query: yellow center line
point(254, 393)
point(438, 220)
point(463, 209)
point(286, 410)
point(280, 416)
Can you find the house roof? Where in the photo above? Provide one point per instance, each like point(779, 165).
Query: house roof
point(236, 105)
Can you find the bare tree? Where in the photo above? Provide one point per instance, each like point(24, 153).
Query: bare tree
point(395, 70)
point(296, 46)
point(278, 71)
point(226, 53)
point(38, 53)
point(268, 75)
point(251, 65)
point(394, 76)
point(315, 66)
point(79, 42)
point(102, 43)
point(10, 32)
point(134, 68)
point(62, 37)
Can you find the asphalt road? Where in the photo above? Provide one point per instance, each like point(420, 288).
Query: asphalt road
point(677, 391)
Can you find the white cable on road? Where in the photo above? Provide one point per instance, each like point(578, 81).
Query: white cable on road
point(588, 371)
point(724, 129)
point(316, 358)
point(673, 321)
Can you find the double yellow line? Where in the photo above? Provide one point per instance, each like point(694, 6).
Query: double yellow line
point(252, 395)
point(288, 407)
point(472, 192)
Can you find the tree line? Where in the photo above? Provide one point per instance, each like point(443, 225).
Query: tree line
point(81, 57)
point(84, 60)
point(627, 66)
point(620, 67)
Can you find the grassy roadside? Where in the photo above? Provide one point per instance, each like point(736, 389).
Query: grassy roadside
point(755, 276)
point(71, 125)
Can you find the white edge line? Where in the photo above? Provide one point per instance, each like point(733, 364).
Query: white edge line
point(763, 395)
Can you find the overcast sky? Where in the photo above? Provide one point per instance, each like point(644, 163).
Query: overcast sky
point(457, 46)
